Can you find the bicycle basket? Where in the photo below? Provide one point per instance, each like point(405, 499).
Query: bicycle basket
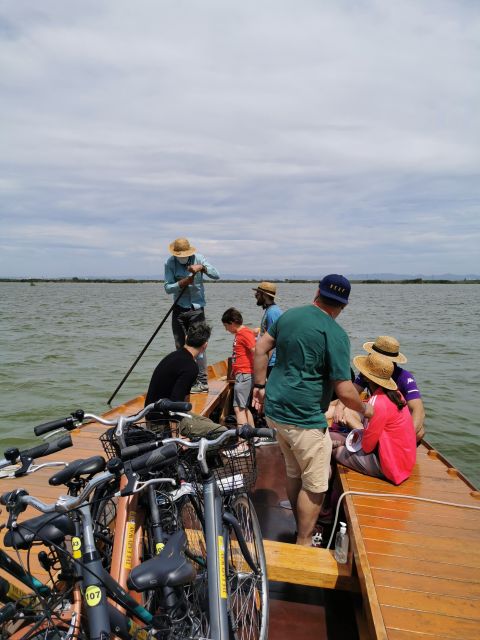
point(233, 466)
point(133, 435)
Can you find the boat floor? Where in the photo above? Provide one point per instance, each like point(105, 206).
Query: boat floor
point(296, 611)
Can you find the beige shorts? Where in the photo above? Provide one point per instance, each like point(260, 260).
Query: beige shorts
point(307, 454)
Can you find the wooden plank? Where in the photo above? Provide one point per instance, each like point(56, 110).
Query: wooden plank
point(309, 566)
point(438, 625)
point(451, 606)
point(426, 583)
point(416, 566)
point(468, 554)
point(467, 525)
point(448, 531)
point(421, 552)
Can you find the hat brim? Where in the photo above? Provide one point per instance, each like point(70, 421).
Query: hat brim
point(181, 254)
point(387, 383)
point(400, 359)
point(327, 294)
point(268, 293)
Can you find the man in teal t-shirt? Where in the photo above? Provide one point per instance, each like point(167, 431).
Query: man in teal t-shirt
point(313, 359)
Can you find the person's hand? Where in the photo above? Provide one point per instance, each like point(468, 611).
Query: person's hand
point(184, 282)
point(339, 413)
point(258, 399)
point(195, 268)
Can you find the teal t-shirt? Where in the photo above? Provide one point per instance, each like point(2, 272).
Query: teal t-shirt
point(312, 351)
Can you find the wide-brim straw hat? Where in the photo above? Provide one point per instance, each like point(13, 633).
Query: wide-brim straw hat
point(377, 368)
point(386, 346)
point(181, 248)
point(267, 287)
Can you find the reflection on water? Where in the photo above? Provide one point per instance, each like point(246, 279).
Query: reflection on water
point(66, 346)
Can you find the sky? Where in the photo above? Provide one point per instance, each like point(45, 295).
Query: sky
point(282, 138)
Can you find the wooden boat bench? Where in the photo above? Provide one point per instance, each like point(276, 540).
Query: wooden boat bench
point(418, 563)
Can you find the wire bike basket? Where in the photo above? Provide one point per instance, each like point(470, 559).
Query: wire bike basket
point(233, 465)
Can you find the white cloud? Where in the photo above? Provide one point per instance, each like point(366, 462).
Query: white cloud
point(277, 130)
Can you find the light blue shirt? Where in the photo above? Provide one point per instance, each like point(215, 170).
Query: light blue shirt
point(194, 296)
point(272, 313)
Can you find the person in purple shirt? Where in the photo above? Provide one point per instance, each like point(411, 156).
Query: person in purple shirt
point(406, 383)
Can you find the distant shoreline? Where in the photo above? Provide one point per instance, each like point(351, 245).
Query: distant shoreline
point(34, 281)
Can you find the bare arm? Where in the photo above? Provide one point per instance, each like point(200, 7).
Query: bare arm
point(339, 409)
point(260, 363)
point(348, 395)
point(418, 414)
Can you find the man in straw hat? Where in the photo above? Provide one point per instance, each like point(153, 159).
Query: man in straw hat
point(389, 347)
point(313, 357)
point(184, 272)
point(387, 447)
point(265, 296)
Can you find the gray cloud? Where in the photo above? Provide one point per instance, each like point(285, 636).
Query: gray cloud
point(281, 138)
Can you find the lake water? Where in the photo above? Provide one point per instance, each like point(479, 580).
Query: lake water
point(66, 346)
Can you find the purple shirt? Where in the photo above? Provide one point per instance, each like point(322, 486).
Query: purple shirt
point(406, 383)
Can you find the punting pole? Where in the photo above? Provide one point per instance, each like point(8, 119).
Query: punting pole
point(109, 401)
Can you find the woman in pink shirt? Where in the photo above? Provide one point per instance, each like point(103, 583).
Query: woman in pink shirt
point(386, 446)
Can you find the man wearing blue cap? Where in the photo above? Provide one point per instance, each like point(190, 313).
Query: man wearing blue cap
point(313, 359)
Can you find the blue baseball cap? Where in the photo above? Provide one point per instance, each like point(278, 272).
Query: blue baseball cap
point(336, 287)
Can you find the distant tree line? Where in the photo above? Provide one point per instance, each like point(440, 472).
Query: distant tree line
point(76, 280)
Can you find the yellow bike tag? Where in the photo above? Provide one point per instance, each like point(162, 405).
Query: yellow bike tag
point(221, 568)
point(76, 547)
point(93, 595)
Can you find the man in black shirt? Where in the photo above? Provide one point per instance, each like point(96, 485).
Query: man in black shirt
point(173, 379)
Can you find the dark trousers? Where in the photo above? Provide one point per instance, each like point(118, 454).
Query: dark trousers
point(182, 320)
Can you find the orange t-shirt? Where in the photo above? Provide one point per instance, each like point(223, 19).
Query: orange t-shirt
point(242, 356)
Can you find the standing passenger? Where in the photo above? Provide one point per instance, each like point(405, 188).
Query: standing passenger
point(242, 363)
point(313, 357)
point(265, 295)
point(184, 272)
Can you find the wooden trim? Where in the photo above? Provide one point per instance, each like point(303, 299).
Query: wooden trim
point(308, 566)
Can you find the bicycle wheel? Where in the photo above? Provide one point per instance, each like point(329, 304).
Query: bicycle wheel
point(196, 594)
point(247, 588)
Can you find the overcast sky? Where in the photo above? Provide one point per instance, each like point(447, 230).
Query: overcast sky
point(282, 138)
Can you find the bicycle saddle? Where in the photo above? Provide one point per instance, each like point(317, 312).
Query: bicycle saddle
point(169, 569)
point(77, 468)
point(47, 528)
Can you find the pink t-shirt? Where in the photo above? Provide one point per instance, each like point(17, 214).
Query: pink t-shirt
point(394, 433)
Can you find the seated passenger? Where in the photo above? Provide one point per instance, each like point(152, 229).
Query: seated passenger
point(390, 348)
point(173, 379)
point(385, 447)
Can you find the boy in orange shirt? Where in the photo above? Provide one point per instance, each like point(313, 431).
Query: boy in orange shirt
point(242, 363)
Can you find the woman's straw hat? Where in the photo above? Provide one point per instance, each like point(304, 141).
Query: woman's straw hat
point(386, 346)
point(181, 248)
point(267, 287)
point(377, 368)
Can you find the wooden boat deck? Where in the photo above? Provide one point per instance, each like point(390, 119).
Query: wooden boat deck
point(415, 564)
point(418, 563)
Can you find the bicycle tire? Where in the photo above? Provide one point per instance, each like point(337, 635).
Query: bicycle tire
point(247, 589)
point(191, 521)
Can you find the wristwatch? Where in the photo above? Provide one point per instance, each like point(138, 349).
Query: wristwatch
point(258, 386)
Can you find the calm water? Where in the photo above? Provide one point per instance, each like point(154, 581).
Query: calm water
point(66, 346)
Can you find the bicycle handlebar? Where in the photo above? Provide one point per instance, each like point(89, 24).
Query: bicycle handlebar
point(76, 418)
point(47, 448)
